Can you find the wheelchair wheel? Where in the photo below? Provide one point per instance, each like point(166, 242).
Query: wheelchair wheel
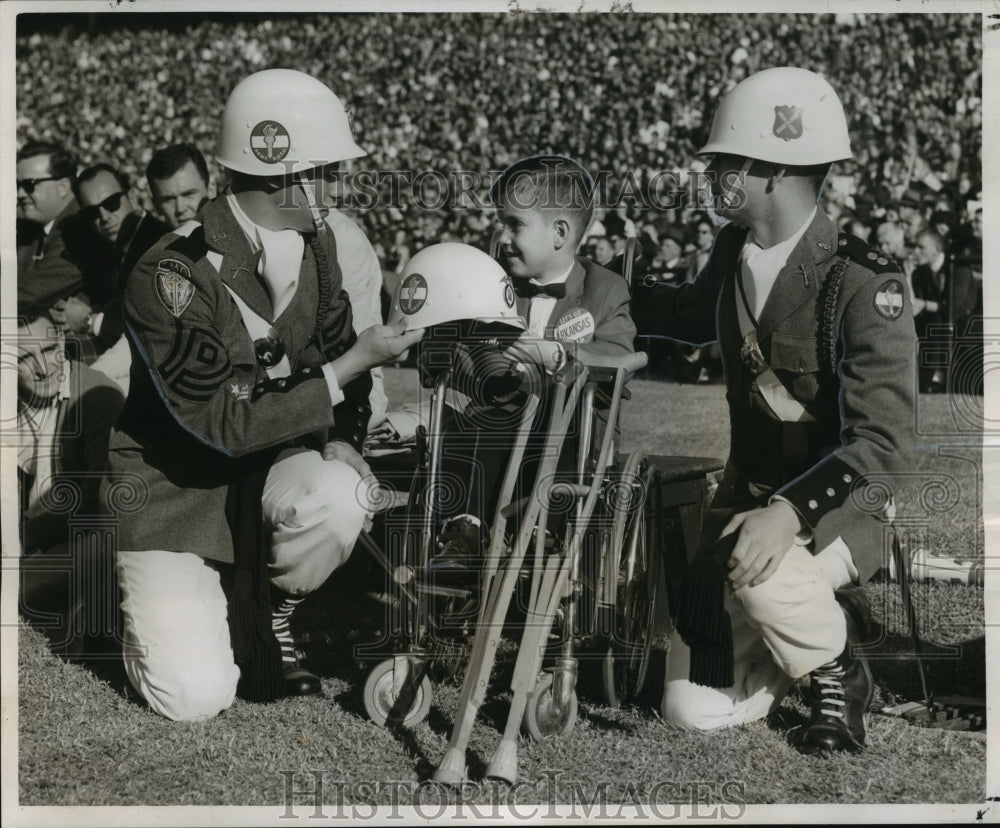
point(626, 661)
point(544, 716)
point(396, 699)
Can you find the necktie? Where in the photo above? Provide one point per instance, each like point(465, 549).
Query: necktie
point(40, 246)
point(528, 290)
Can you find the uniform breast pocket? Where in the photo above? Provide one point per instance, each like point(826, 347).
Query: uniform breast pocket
point(796, 363)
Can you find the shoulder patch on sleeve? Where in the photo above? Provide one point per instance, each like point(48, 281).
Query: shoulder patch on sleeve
point(864, 254)
point(174, 287)
point(889, 299)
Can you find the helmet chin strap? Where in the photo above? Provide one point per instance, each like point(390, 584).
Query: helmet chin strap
point(310, 194)
point(729, 197)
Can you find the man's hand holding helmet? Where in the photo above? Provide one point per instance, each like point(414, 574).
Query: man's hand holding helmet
point(385, 343)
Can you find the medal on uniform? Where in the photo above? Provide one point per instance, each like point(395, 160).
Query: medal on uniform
point(269, 349)
point(751, 354)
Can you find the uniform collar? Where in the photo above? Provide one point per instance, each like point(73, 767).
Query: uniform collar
point(799, 280)
point(238, 268)
point(223, 232)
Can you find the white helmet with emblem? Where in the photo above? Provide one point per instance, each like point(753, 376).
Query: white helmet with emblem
point(785, 115)
point(281, 121)
point(448, 282)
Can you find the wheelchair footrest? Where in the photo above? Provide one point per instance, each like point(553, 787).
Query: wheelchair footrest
point(425, 588)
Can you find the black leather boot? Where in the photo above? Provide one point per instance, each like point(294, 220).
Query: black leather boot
point(842, 689)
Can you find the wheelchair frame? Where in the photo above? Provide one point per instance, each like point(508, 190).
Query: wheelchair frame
point(628, 587)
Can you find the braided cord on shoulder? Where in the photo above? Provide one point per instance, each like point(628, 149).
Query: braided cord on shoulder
point(323, 281)
point(830, 293)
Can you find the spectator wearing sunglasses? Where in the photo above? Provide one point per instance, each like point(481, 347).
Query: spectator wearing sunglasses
point(103, 196)
point(57, 256)
point(106, 207)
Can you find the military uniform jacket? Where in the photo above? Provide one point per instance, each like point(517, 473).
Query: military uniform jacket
point(842, 347)
point(201, 409)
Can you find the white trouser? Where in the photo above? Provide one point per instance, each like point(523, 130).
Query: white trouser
point(784, 628)
point(178, 654)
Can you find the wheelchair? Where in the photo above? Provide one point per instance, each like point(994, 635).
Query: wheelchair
point(607, 580)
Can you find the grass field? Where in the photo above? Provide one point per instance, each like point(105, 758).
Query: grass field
point(85, 738)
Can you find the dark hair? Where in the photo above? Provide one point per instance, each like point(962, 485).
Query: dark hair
point(92, 172)
point(62, 163)
point(169, 160)
point(548, 182)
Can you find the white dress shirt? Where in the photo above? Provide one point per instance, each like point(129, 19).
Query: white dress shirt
point(761, 266)
point(540, 307)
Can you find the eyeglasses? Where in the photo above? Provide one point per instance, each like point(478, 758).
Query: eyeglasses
point(110, 205)
point(29, 184)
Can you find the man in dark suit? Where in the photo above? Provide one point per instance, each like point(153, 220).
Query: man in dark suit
point(103, 195)
point(57, 256)
point(179, 183)
point(942, 294)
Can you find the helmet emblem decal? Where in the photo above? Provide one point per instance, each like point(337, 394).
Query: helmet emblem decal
point(270, 142)
point(412, 293)
point(788, 122)
point(508, 292)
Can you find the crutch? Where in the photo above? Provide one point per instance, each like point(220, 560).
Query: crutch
point(554, 580)
point(452, 768)
point(497, 538)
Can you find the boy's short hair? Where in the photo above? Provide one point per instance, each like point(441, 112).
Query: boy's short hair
point(552, 182)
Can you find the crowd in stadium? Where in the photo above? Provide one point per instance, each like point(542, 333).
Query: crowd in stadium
point(629, 95)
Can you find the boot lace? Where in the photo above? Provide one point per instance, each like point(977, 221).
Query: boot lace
point(829, 683)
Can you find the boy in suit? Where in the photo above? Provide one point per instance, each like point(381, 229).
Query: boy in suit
point(545, 204)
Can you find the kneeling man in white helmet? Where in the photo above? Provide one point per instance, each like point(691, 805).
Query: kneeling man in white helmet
point(237, 454)
point(818, 344)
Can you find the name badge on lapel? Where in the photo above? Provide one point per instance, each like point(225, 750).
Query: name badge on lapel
point(577, 325)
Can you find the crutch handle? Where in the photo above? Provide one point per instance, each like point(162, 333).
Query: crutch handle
point(629, 363)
